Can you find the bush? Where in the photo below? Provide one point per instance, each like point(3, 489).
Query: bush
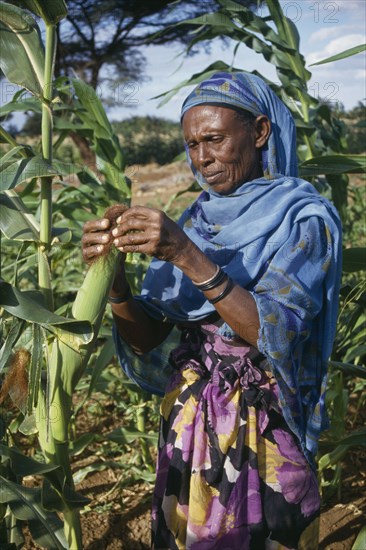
point(149, 139)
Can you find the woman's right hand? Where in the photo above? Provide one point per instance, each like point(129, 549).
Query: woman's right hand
point(95, 239)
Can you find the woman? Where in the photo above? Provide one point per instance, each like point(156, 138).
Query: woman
point(250, 276)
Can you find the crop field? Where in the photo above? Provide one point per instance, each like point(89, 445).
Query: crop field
point(77, 438)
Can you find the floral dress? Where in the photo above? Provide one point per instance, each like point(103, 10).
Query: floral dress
point(230, 473)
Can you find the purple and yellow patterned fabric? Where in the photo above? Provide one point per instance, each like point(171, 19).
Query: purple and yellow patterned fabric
point(230, 473)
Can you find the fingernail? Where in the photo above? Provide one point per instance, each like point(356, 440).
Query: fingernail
point(118, 220)
point(115, 231)
point(105, 238)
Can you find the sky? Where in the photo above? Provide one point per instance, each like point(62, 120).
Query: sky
point(325, 27)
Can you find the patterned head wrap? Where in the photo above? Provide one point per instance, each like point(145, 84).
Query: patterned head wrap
point(249, 92)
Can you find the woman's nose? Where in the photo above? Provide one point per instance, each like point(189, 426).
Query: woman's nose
point(204, 156)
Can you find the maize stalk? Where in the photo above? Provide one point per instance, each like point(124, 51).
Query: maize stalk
point(67, 363)
point(68, 352)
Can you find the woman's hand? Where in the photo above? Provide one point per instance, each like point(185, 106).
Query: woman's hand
point(96, 238)
point(150, 231)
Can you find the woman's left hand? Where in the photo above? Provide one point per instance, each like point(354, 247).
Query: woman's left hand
point(150, 231)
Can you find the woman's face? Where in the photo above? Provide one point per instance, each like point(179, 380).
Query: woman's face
point(223, 147)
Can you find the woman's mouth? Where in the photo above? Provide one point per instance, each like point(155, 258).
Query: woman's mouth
point(212, 177)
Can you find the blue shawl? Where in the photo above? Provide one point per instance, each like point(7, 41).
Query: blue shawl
point(279, 239)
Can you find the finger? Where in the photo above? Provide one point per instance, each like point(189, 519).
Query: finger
point(95, 238)
point(132, 248)
point(131, 225)
point(96, 225)
point(91, 252)
point(142, 212)
point(130, 240)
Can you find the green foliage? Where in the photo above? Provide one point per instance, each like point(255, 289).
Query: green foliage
point(355, 120)
point(19, 33)
point(149, 139)
point(52, 360)
point(342, 55)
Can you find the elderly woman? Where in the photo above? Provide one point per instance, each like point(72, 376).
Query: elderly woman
point(250, 276)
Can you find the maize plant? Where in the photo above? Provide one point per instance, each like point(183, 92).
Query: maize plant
point(52, 350)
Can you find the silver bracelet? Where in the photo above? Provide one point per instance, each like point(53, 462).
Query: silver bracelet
point(210, 279)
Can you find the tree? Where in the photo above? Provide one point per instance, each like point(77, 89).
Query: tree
point(102, 41)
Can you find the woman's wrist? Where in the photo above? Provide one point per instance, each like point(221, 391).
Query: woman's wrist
point(120, 283)
point(196, 265)
point(120, 297)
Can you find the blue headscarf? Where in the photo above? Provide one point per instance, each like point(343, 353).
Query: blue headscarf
point(249, 92)
point(279, 239)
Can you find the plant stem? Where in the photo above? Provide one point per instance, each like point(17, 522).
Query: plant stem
point(56, 446)
point(72, 529)
point(44, 275)
point(141, 426)
point(72, 526)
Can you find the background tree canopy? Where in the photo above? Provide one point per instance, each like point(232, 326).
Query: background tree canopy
point(102, 41)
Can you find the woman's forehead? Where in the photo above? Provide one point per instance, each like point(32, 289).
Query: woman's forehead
point(202, 116)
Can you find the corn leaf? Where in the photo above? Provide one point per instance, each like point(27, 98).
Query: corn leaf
point(11, 340)
point(350, 369)
point(81, 474)
point(105, 356)
point(23, 170)
point(195, 79)
point(342, 55)
point(54, 500)
point(29, 307)
point(360, 541)
point(356, 438)
point(126, 435)
point(51, 12)
point(61, 235)
point(79, 445)
point(25, 504)
point(16, 221)
point(333, 164)
point(23, 465)
point(19, 33)
point(27, 104)
point(20, 150)
point(35, 369)
point(106, 144)
point(90, 101)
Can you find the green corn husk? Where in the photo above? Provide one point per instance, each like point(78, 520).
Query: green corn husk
point(66, 366)
point(68, 360)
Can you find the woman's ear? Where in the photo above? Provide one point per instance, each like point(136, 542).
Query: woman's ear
point(262, 130)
